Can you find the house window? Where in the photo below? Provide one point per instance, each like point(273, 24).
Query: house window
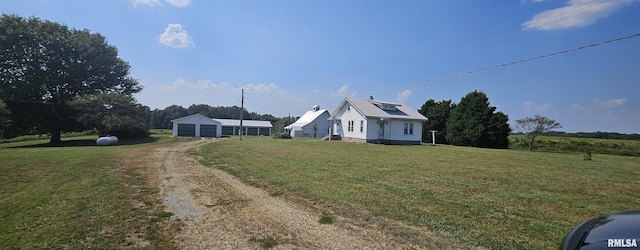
point(361, 126)
point(350, 126)
point(408, 128)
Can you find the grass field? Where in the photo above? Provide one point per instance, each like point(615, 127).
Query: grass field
point(500, 199)
point(570, 144)
point(78, 196)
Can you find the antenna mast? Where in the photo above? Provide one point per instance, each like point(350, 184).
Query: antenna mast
point(241, 114)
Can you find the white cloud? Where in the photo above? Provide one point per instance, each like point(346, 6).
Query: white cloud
point(344, 91)
point(179, 3)
point(261, 88)
point(597, 105)
point(153, 3)
point(576, 13)
point(146, 2)
point(175, 36)
point(610, 103)
point(575, 108)
point(402, 96)
point(529, 105)
point(181, 83)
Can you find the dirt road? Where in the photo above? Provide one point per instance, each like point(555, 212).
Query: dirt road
point(217, 211)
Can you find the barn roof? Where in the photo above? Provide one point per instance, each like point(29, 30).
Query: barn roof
point(307, 118)
point(245, 123)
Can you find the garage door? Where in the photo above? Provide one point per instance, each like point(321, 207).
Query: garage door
point(227, 130)
point(252, 131)
point(264, 131)
point(208, 130)
point(186, 129)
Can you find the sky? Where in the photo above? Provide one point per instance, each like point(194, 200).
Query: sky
point(289, 55)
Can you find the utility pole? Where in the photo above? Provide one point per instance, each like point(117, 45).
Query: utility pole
point(241, 115)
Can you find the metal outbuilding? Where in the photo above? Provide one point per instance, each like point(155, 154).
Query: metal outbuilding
point(198, 125)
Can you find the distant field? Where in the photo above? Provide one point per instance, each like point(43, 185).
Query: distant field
point(77, 197)
point(572, 144)
point(501, 199)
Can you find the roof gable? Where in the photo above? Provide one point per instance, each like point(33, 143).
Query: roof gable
point(191, 117)
point(307, 118)
point(381, 109)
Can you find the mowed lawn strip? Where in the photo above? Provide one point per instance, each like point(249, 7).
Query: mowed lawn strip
point(501, 199)
point(75, 197)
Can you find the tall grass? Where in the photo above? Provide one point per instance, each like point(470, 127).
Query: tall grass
point(570, 144)
point(501, 199)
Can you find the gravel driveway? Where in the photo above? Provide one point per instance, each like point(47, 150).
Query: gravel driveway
point(217, 211)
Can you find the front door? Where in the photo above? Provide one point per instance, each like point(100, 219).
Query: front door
point(381, 130)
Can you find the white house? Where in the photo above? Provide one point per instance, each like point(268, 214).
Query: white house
point(374, 121)
point(201, 126)
point(305, 125)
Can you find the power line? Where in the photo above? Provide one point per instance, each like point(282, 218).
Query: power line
point(506, 64)
point(569, 12)
point(489, 68)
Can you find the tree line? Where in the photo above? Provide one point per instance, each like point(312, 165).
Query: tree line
point(161, 118)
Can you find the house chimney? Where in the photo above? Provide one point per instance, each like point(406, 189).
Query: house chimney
point(370, 97)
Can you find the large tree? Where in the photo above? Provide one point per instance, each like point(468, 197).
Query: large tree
point(438, 114)
point(473, 122)
point(45, 65)
point(114, 114)
point(535, 126)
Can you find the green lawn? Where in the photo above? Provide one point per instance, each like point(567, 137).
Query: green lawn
point(76, 196)
point(501, 199)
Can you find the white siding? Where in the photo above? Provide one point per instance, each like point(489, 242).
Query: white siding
point(349, 114)
point(197, 120)
point(397, 131)
point(322, 122)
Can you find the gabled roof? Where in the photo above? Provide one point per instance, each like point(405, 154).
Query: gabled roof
point(245, 123)
point(374, 109)
point(194, 116)
point(307, 118)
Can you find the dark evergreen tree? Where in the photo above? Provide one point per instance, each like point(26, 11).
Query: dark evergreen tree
point(473, 123)
point(438, 113)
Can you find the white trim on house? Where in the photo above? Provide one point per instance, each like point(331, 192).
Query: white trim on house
point(382, 122)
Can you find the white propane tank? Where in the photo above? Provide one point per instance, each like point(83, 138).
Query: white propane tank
point(107, 140)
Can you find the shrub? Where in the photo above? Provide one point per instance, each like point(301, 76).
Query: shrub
point(281, 135)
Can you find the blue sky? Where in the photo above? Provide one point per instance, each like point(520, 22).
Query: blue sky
point(289, 55)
